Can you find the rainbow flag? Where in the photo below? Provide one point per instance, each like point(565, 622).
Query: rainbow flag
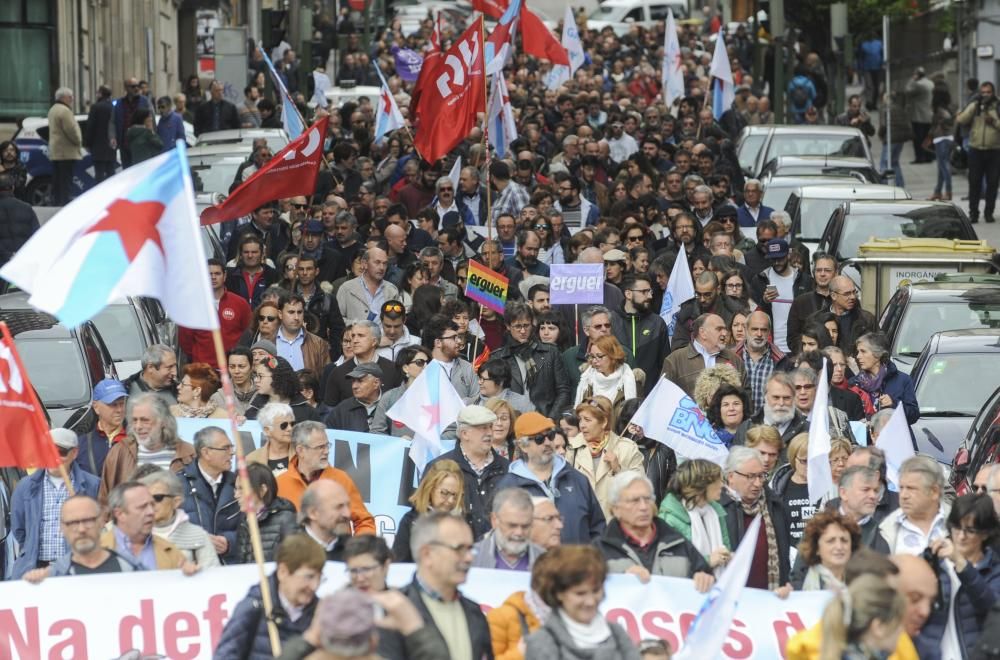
point(486, 287)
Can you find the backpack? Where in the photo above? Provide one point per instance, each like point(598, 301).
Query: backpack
point(799, 91)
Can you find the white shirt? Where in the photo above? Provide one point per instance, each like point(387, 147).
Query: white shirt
point(213, 483)
point(911, 540)
point(782, 305)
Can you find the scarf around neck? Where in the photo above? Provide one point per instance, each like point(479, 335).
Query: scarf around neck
point(760, 506)
point(192, 411)
point(872, 384)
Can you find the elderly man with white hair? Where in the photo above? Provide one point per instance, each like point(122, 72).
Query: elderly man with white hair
point(746, 496)
point(922, 516)
point(638, 542)
point(65, 145)
point(508, 545)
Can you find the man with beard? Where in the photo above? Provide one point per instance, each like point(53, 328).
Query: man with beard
point(760, 356)
point(745, 497)
point(492, 256)
point(779, 411)
point(152, 438)
point(686, 234)
point(683, 366)
point(444, 339)
point(508, 545)
point(777, 286)
point(526, 260)
point(80, 524)
point(577, 211)
point(701, 204)
point(442, 547)
point(417, 195)
point(640, 331)
point(325, 516)
point(542, 473)
point(706, 301)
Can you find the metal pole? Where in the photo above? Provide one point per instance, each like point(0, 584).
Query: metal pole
point(776, 16)
point(888, 91)
point(959, 43)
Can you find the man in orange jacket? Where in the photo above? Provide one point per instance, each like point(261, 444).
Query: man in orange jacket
point(311, 463)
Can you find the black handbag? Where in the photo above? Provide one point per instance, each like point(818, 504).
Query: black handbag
point(959, 156)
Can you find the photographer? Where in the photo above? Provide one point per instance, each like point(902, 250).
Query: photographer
point(984, 149)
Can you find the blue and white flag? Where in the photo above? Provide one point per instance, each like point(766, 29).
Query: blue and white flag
point(136, 234)
point(428, 406)
point(723, 90)
point(560, 73)
point(673, 67)
point(671, 417)
point(291, 120)
point(680, 289)
point(711, 625)
point(500, 117)
point(499, 45)
point(387, 115)
point(897, 443)
point(819, 474)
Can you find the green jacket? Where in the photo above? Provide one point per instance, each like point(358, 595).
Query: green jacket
point(982, 135)
point(143, 143)
point(672, 511)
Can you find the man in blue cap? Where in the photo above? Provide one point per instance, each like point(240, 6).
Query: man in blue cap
point(109, 405)
point(777, 286)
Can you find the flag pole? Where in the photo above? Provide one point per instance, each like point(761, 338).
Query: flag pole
point(486, 132)
point(244, 482)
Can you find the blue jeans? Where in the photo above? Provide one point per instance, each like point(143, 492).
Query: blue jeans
point(896, 150)
point(943, 152)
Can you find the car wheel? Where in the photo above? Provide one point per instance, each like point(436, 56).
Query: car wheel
point(39, 191)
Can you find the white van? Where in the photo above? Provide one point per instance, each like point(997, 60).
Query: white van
point(621, 15)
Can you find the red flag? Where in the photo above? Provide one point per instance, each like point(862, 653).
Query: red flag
point(492, 8)
point(431, 59)
point(538, 40)
point(290, 173)
point(456, 91)
point(481, 359)
point(25, 441)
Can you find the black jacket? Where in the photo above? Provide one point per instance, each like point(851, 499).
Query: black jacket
point(401, 543)
point(229, 117)
point(236, 283)
point(661, 463)
point(277, 522)
point(348, 415)
point(547, 382)
point(804, 306)
point(337, 385)
point(98, 136)
point(849, 402)
point(219, 515)
point(853, 325)
point(392, 644)
point(782, 526)
point(245, 636)
point(869, 530)
point(17, 223)
point(645, 340)
point(301, 409)
point(330, 324)
point(479, 489)
point(674, 556)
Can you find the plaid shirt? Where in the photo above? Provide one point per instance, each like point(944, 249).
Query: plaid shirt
point(757, 374)
point(513, 198)
point(52, 546)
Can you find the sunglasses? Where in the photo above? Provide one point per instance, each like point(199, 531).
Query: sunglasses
point(267, 318)
point(300, 206)
point(542, 437)
point(284, 425)
point(393, 308)
point(420, 362)
point(63, 451)
point(159, 497)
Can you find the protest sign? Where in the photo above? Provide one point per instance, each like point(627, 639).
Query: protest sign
point(576, 284)
point(486, 287)
point(182, 618)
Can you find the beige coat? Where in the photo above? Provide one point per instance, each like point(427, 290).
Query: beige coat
point(629, 458)
point(65, 140)
point(982, 135)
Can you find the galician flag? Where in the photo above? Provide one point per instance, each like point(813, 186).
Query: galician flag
point(502, 129)
point(723, 90)
point(818, 470)
point(135, 234)
point(560, 73)
point(680, 289)
point(428, 406)
point(673, 69)
point(387, 114)
point(291, 120)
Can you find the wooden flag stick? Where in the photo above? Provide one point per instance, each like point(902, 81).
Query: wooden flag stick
point(244, 481)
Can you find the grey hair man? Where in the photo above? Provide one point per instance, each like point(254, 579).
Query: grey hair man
point(547, 523)
point(778, 411)
point(158, 373)
point(210, 497)
point(508, 545)
point(442, 547)
point(362, 297)
point(152, 438)
point(65, 144)
point(859, 491)
point(366, 336)
point(922, 514)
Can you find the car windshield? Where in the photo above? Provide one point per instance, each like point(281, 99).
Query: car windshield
point(952, 383)
point(933, 222)
point(749, 150)
point(860, 173)
point(120, 331)
point(799, 144)
point(216, 174)
point(608, 13)
point(814, 214)
point(921, 320)
point(56, 369)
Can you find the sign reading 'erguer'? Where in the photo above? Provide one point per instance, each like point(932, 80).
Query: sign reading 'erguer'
point(577, 284)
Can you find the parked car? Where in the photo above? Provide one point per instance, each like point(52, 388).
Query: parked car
point(810, 207)
point(917, 311)
point(63, 364)
point(128, 328)
point(778, 189)
point(758, 145)
point(338, 96)
point(856, 168)
point(980, 447)
point(854, 223)
point(948, 380)
point(276, 137)
point(621, 15)
point(214, 172)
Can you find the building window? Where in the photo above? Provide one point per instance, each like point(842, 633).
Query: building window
point(27, 49)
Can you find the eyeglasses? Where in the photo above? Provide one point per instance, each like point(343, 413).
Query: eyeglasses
point(359, 571)
point(159, 497)
point(228, 448)
point(460, 549)
point(81, 522)
point(64, 451)
point(645, 292)
point(300, 206)
point(634, 239)
point(805, 387)
point(595, 356)
point(600, 326)
point(447, 337)
point(760, 476)
point(446, 189)
point(264, 317)
point(521, 326)
point(847, 294)
point(734, 286)
point(325, 445)
point(548, 520)
point(968, 531)
point(420, 362)
point(546, 227)
point(260, 376)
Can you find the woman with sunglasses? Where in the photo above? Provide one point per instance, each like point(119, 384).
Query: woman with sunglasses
point(441, 489)
point(287, 263)
point(264, 325)
point(277, 383)
point(276, 422)
point(171, 523)
point(276, 517)
point(411, 361)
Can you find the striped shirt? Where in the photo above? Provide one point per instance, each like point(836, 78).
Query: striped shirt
point(159, 457)
point(757, 375)
point(52, 545)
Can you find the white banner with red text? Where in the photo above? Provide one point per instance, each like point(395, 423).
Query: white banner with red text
point(163, 613)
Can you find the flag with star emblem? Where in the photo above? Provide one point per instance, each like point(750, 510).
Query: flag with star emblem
point(135, 234)
point(428, 406)
point(387, 114)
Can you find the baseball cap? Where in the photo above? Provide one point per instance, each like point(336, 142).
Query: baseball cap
point(366, 369)
point(532, 423)
point(312, 227)
point(476, 416)
point(64, 438)
point(109, 390)
point(347, 621)
point(777, 248)
point(614, 255)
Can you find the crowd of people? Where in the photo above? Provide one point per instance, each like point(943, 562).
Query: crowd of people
point(331, 306)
